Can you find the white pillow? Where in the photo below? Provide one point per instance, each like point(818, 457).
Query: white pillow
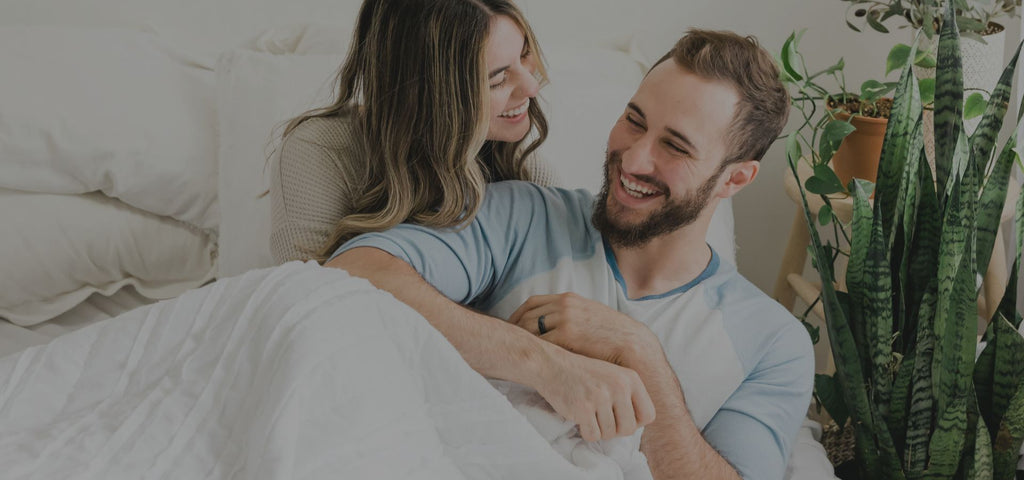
point(56, 250)
point(111, 110)
point(257, 93)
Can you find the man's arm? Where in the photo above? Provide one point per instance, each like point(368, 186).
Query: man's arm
point(752, 429)
point(673, 444)
point(589, 392)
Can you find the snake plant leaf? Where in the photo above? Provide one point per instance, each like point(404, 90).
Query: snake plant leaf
point(978, 461)
point(948, 440)
point(949, 90)
point(922, 220)
point(827, 389)
point(1006, 447)
point(922, 403)
point(990, 205)
point(1008, 372)
point(899, 403)
point(848, 368)
point(899, 135)
point(875, 295)
point(984, 138)
point(859, 280)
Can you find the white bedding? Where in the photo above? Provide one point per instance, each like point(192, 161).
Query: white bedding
point(292, 372)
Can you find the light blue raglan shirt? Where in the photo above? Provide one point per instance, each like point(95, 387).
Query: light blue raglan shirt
point(745, 364)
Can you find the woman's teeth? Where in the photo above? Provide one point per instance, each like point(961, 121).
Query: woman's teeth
point(515, 112)
point(635, 190)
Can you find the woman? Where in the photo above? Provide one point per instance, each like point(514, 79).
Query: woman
point(434, 100)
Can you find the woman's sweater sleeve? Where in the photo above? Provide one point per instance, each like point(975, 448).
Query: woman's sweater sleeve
point(311, 187)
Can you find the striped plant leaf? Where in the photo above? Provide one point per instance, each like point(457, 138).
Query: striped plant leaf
point(877, 306)
point(984, 138)
point(949, 98)
point(848, 367)
point(922, 402)
point(948, 439)
point(899, 138)
point(1008, 371)
point(859, 281)
point(1006, 447)
point(990, 205)
point(956, 294)
point(899, 404)
point(980, 464)
point(922, 227)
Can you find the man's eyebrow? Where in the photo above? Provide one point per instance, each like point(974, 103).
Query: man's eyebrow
point(671, 131)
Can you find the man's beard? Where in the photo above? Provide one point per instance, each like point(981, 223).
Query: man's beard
point(670, 217)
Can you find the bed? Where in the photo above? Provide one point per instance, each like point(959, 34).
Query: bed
point(134, 140)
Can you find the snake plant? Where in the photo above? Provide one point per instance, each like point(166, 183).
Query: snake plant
point(904, 333)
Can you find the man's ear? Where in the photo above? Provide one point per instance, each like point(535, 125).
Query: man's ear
point(737, 176)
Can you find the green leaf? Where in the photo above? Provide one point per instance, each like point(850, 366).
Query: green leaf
point(831, 137)
point(974, 105)
point(990, 205)
point(924, 59)
point(827, 389)
point(875, 24)
point(927, 86)
point(793, 149)
point(789, 56)
point(949, 100)
point(824, 215)
point(897, 57)
point(824, 181)
point(984, 138)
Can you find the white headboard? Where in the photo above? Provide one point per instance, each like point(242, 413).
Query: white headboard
point(221, 24)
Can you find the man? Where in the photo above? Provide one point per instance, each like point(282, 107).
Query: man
point(655, 314)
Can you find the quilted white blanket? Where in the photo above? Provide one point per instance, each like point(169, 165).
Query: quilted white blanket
point(293, 372)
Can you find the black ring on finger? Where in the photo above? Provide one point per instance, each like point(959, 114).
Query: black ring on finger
point(540, 325)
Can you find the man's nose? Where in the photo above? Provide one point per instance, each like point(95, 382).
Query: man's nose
point(637, 159)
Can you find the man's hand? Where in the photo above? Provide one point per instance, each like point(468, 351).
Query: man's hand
point(586, 327)
point(605, 400)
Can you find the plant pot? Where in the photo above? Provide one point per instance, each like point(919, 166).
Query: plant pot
point(858, 155)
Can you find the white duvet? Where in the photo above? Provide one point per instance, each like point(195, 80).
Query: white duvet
point(293, 372)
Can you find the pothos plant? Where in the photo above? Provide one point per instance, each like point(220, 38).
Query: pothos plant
point(820, 97)
point(973, 17)
point(903, 335)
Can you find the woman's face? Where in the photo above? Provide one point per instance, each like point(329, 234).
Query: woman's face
point(510, 70)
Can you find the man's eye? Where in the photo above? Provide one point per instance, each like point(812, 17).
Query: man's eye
point(634, 122)
point(677, 149)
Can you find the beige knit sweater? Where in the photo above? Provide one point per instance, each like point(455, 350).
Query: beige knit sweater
point(311, 184)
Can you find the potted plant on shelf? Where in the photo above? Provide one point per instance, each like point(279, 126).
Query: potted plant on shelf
point(918, 401)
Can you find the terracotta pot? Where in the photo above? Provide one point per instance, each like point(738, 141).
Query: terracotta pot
point(861, 150)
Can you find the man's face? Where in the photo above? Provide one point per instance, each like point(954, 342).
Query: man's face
point(664, 156)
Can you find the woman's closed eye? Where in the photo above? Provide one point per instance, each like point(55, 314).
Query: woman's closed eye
point(504, 80)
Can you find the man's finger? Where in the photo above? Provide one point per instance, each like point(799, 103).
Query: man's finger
point(606, 420)
point(625, 417)
point(589, 429)
point(643, 407)
point(530, 304)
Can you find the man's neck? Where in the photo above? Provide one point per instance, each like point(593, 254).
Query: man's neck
point(666, 262)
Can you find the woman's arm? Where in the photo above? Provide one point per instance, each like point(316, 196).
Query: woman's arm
point(311, 186)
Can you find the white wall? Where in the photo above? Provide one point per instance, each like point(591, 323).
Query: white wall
point(763, 213)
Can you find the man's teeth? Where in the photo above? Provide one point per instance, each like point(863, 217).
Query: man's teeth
point(516, 111)
point(634, 189)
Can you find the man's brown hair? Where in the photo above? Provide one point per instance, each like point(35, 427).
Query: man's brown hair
point(764, 103)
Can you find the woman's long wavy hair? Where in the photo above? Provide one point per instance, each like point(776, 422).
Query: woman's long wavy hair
point(415, 83)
